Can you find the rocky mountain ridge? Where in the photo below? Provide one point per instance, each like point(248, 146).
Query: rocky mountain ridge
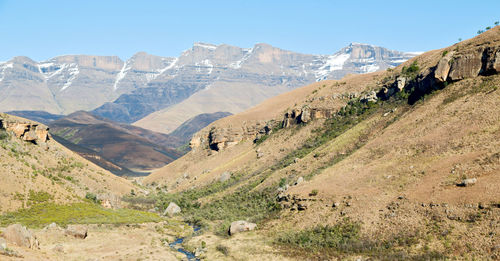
point(127, 91)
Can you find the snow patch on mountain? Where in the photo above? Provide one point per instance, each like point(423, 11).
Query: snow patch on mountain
point(127, 66)
point(237, 64)
point(333, 63)
point(73, 73)
point(205, 45)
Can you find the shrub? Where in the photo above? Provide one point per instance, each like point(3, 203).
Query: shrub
point(223, 249)
point(92, 197)
point(314, 192)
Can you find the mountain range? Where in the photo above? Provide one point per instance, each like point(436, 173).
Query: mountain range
point(160, 93)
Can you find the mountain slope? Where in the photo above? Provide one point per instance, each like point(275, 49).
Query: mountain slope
point(35, 170)
point(195, 124)
point(261, 73)
point(401, 164)
point(123, 145)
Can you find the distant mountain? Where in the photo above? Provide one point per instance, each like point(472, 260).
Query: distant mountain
point(233, 78)
point(38, 116)
point(193, 125)
point(123, 145)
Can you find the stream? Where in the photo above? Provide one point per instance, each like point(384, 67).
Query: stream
point(189, 255)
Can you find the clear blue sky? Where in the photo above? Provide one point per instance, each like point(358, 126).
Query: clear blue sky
point(43, 29)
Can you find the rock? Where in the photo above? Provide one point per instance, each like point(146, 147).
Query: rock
point(335, 205)
point(296, 160)
point(467, 182)
point(401, 82)
point(370, 97)
point(77, 231)
point(225, 176)
point(241, 226)
point(20, 236)
point(52, 226)
point(172, 209)
point(299, 180)
point(260, 155)
point(3, 244)
point(443, 68)
point(466, 65)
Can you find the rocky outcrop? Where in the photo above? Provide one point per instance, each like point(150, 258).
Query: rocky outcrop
point(241, 226)
point(305, 115)
point(77, 231)
point(453, 66)
point(25, 130)
point(21, 236)
point(217, 138)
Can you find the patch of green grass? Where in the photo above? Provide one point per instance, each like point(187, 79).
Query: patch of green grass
point(76, 213)
point(339, 237)
point(345, 239)
point(38, 197)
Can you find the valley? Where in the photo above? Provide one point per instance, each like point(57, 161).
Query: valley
point(228, 153)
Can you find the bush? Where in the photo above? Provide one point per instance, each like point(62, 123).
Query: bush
point(314, 192)
point(3, 134)
point(223, 249)
point(92, 197)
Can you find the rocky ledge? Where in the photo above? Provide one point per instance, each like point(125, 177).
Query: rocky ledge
point(24, 129)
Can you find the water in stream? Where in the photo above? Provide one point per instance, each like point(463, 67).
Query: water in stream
point(190, 255)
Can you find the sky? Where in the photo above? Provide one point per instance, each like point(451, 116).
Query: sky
point(44, 29)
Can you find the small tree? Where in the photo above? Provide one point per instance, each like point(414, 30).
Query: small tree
point(496, 23)
point(488, 27)
point(480, 31)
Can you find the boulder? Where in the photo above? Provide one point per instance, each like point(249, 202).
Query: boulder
point(299, 180)
point(52, 226)
point(241, 226)
point(225, 176)
point(467, 182)
point(172, 209)
point(443, 68)
point(20, 236)
point(77, 231)
point(466, 65)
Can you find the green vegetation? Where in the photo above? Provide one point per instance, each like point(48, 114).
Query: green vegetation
point(223, 249)
point(245, 204)
point(76, 213)
point(353, 113)
point(344, 238)
point(39, 197)
point(314, 192)
point(92, 197)
point(3, 134)
point(411, 71)
point(445, 53)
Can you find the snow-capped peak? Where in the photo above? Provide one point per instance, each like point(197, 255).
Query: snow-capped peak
point(205, 45)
